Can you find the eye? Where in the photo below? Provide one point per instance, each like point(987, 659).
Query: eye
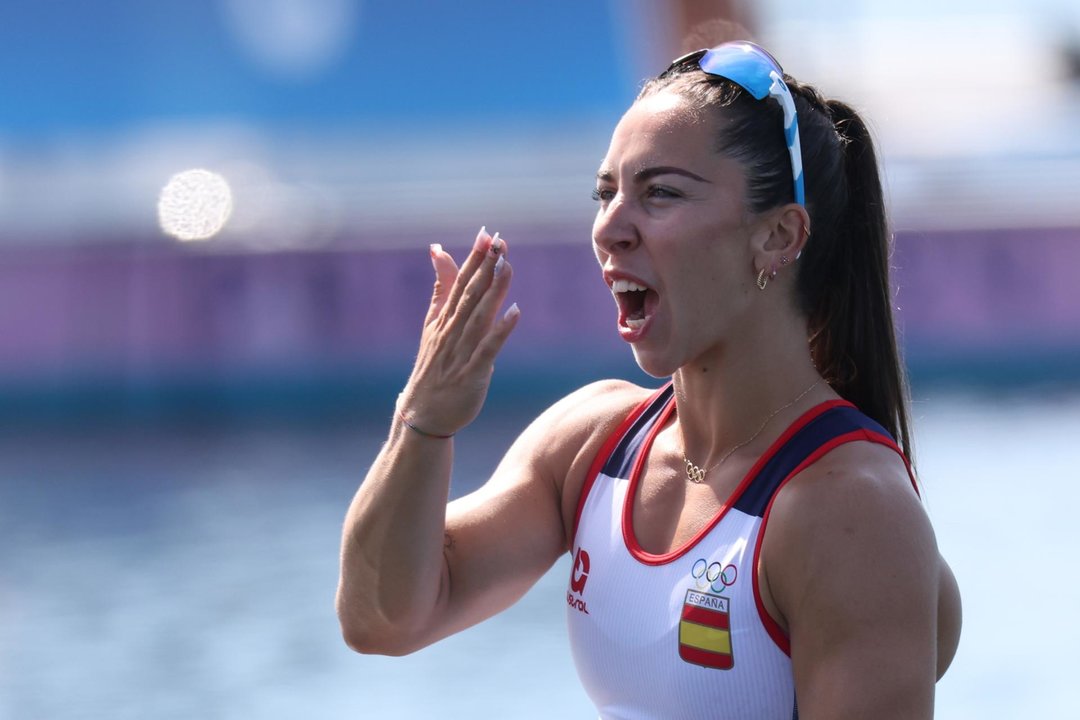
point(662, 192)
point(603, 195)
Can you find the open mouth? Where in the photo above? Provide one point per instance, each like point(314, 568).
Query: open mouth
point(636, 302)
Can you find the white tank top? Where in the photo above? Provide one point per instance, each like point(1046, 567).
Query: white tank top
point(684, 634)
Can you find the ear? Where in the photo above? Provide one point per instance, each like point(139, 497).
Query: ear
point(780, 237)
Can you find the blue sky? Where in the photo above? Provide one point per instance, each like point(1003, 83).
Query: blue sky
point(68, 66)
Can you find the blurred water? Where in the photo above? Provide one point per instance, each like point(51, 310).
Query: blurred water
point(191, 573)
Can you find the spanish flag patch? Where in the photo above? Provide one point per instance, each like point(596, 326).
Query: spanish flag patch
point(705, 631)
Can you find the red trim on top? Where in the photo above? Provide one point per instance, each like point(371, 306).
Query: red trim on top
point(630, 537)
point(605, 452)
point(771, 626)
point(890, 443)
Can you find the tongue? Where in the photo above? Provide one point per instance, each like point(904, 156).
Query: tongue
point(648, 307)
point(639, 305)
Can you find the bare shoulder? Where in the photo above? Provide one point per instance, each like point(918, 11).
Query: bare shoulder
point(577, 420)
point(563, 441)
point(547, 463)
point(856, 479)
point(588, 412)
point(855, 506)
point(852, 567)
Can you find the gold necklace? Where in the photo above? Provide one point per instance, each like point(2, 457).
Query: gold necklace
point(696, 474)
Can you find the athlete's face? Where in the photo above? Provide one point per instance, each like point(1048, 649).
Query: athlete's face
point(673, 220)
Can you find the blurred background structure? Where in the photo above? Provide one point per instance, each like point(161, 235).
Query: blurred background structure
point(213, 227)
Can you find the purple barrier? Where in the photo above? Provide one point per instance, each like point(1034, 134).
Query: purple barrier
point(146, 311)
point(967, 292)
point(140, 311)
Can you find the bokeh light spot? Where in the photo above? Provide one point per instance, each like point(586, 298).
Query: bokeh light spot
point(293, 39)
point(194, 205)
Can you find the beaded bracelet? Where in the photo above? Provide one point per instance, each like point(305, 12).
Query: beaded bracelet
point(424, 433)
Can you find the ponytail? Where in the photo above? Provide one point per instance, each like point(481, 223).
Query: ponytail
point(844, 288)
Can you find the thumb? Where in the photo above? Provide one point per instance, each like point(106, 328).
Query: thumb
point(446, 271)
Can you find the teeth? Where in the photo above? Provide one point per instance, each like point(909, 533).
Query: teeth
point(620, 286)
point(635, 324)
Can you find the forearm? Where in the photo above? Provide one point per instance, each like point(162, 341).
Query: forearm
point(392, 562)
point(394, 574)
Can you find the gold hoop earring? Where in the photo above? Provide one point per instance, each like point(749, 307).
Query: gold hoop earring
point(762, 281)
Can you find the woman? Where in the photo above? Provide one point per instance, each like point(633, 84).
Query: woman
point(743, 537)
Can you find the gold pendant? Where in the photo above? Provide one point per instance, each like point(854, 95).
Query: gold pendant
point(693, 473)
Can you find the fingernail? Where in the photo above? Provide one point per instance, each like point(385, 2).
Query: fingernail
point(497, 244)
point(512, 312)
point(480, 237)
point(435, 249)
point(499, 264)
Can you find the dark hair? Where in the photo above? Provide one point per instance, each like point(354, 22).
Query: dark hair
point(842, 283)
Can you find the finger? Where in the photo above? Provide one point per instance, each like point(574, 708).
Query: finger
point(480, 283)
point(472, 263)
point(493, 342)
point(480, 317)
point(446, 271)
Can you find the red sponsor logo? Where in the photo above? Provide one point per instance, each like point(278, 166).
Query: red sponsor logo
point(580, 573)
point(578, 577)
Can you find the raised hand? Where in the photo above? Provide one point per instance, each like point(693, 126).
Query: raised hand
point(461, 338)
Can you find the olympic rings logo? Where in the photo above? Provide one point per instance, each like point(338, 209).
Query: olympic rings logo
point(713, 575)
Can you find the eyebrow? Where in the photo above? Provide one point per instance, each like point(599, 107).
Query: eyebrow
point(651, 172)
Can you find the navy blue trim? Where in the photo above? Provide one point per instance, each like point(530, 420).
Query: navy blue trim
point(830, 424)
point(621, 460)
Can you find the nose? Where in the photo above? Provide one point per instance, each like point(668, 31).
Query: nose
point(614, 229)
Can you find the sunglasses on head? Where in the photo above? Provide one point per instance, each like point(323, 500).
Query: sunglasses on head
point(752, 68)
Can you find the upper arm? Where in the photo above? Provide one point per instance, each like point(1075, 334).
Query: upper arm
point(501, 538)
point(853, 567)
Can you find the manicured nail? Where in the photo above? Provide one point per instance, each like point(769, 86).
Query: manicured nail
point(435, 248)
point(512, 312)
point(480, 237)
point(500, 264)
point(497, 244)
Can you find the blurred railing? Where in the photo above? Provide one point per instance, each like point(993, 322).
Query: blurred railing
point(132, 329)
